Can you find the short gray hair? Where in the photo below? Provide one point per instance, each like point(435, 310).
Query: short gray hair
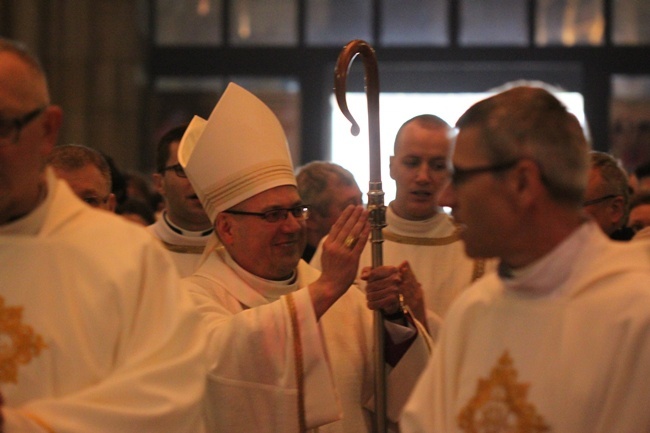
point(529, 122)
point(72, 157)
point(314, 180)
point(613, 174)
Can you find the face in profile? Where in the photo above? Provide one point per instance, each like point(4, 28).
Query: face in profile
point(480, 204)
point(183, 205)
point(29, 130)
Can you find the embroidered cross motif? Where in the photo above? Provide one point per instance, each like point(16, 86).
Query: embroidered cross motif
point(500, 405)
point(18, 342)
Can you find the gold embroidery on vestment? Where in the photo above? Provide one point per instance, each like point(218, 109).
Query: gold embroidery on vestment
point(300, 374)
point(500, 404)
point(18, 342)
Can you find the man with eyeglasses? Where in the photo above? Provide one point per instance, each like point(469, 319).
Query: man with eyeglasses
point(290, 347)
point(184, 228)
point(607, 197)
point(87, 173)
point(559, 339)
point(96, 335)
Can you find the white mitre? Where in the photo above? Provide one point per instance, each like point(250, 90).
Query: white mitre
point(240, 151)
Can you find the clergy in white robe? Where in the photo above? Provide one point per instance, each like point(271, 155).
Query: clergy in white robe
point(183, 227)
point(291, 348)
point(97, 335)
point(559, 339)
point(562, 346)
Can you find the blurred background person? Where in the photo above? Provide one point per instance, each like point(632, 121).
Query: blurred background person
point(640, 212)
point(137, 211)
point(183, 227)
point(640, 178)
point(327, 189)
point(87, 173)
point(607, 197)
point(138, 187)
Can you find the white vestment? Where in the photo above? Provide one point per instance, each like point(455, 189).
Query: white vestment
point(96, 335)
point(436, 255)
point(253, 386)
point(561, 346)
point(184, 250)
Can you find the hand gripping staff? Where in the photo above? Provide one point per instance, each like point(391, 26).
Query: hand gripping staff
point(375, 194)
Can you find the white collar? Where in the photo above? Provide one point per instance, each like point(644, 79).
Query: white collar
point(544, 276)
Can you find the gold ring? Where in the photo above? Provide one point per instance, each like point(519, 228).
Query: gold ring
point(350, 241)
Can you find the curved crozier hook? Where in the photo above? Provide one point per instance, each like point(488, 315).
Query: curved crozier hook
point(347, 55)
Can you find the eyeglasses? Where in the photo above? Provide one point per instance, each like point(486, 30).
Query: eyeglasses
point(10, 128)
point(462, 175)
point(274, 215)
point(599, 199)
point(178, 169)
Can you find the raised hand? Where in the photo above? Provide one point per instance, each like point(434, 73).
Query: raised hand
point(340, 259)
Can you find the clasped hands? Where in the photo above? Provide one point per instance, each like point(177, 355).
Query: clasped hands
point(390, 288)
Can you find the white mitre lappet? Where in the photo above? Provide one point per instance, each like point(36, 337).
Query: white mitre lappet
point(240, 151)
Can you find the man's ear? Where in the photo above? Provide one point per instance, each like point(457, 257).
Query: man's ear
point(528, 182)
point(224, 228)
point(391, 161)
point(159, 183)
point(53, 117)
